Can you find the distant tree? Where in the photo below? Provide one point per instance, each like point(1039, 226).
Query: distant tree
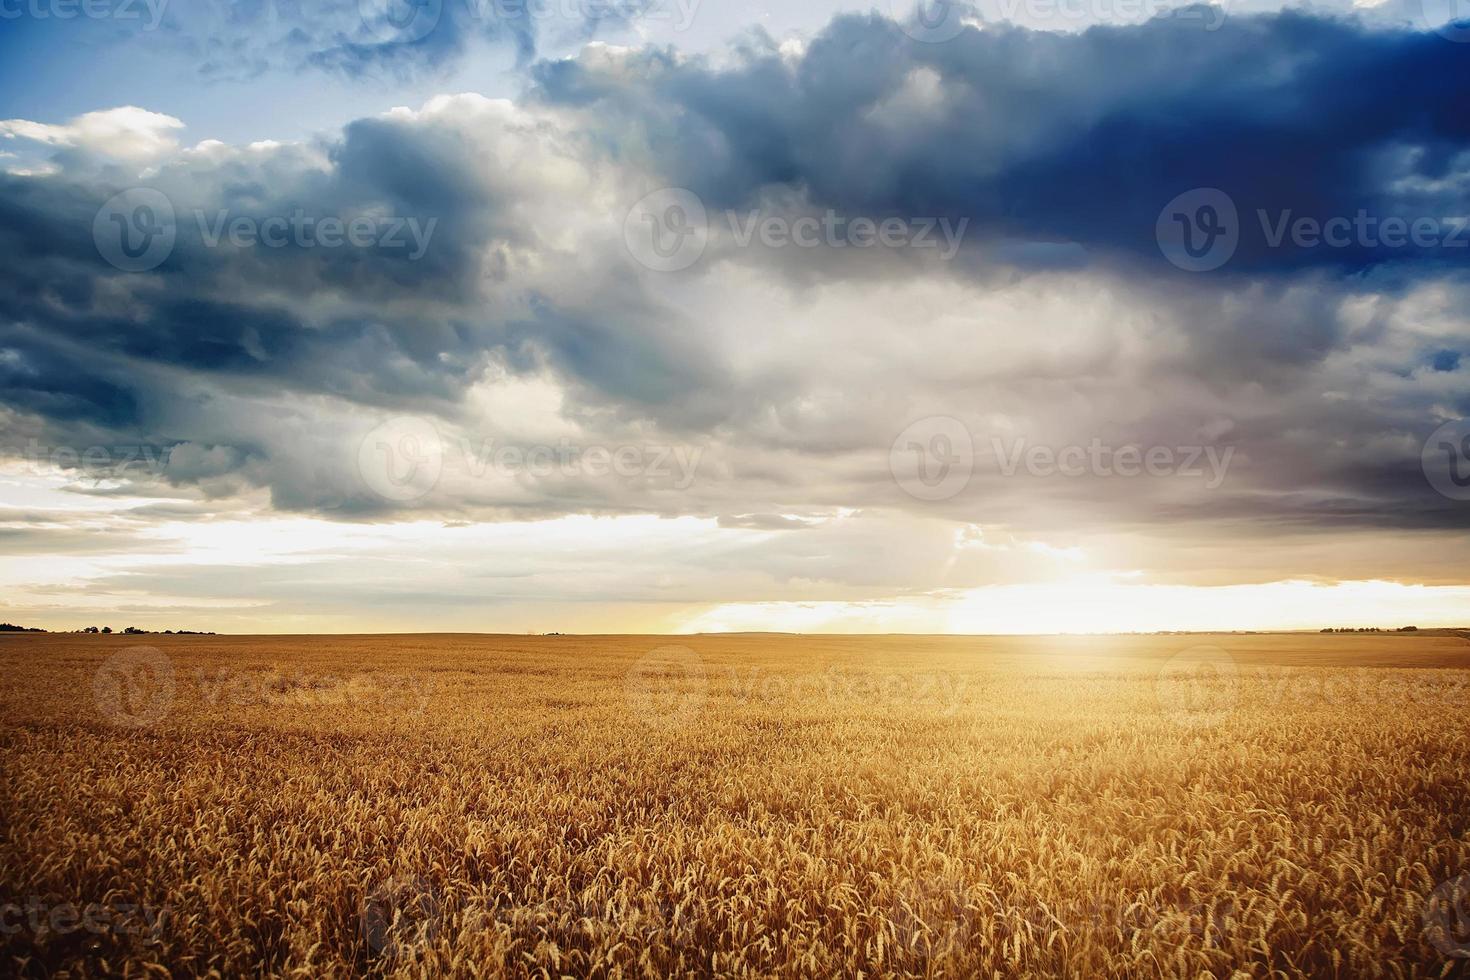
point(107, 629)
point(134, 631)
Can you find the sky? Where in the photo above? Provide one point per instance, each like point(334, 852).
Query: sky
point(663, 316)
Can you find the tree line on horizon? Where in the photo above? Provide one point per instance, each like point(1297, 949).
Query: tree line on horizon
point(1372, 629)
point(130, 631)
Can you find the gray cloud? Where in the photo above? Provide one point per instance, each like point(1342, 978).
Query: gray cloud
point(1059, 322)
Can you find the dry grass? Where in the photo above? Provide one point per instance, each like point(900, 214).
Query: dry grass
point(752, 806)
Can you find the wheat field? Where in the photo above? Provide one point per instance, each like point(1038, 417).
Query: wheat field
point(1233, 805)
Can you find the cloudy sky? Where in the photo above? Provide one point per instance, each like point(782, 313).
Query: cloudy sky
point(684, 315)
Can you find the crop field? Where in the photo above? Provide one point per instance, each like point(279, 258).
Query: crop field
point(1246, 805)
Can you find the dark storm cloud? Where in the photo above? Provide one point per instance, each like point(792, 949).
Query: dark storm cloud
point(187, 353)
point(1069, 138)
point(257, 366)
point(69, 322)
point(42, 378)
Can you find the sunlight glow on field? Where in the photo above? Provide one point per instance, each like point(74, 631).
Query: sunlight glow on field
point(1105, 606)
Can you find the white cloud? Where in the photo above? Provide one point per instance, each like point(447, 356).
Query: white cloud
point(128, 134)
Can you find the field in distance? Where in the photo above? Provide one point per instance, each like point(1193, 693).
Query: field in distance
point(751, 805)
